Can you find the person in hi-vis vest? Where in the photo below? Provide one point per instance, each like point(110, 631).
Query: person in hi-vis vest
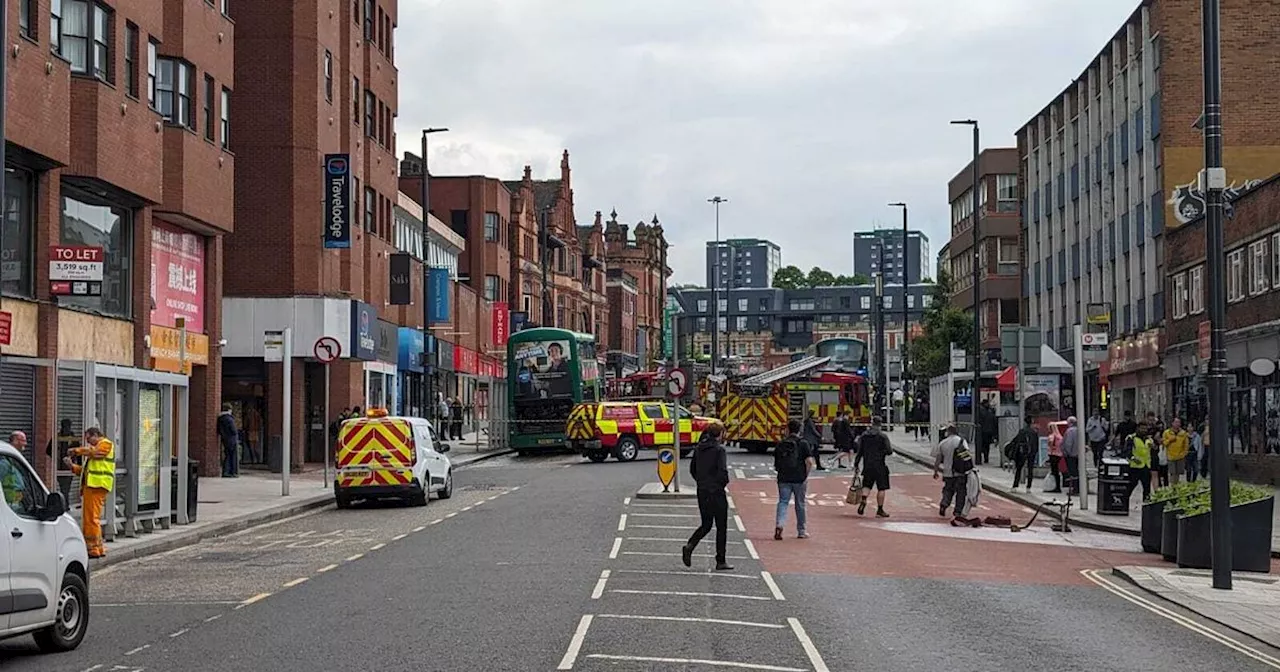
point(99, 475)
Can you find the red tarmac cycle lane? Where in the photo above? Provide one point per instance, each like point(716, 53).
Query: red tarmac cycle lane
point(915, 542)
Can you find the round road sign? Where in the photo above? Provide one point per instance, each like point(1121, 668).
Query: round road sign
point(327, 349)
point(677, 382)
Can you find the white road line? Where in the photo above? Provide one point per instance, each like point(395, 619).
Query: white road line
point(516, 488)
point(737, 473)
point(326, 568)
point(730, 501)
point(689, 593)
point(91, 669)
point(696, 555)
point(665, 515)
point(617, 546)
point(674, 539)
point(722, 575)
point(213, 618)
point(737, 521)
point(467, 508)
point(575, 644)
point(751, 549)
point(179, 633)
point(476, 504)
point(355, 557)
point(419, 528)
point(398, 537)
point(437, 520)
point(667, 506)
point(694, 661)
point(626, 501)
point(450, 515)
point(256, 598)
point(377, 546)
point(651, 527)
point(773, 586)
point(125, 605)
point(810, 650)
point(692, 619)
point(1096, 577)
point(599, 590)
point(140, 649)
point(622, 522)
point(298, 581)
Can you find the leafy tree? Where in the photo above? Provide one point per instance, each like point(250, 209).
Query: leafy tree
point(789, 277)
point(943, 325)
point(819, 278)
point(860, 279)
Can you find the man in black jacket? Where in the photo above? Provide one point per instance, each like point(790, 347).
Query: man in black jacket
point(792, 459)
point(710, 469)
point(842, 433)
point(873, 449)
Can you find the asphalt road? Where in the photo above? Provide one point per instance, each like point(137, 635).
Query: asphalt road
point(550, 563)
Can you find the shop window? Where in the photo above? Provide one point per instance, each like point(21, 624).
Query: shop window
point(90, 221)
point(18, 243)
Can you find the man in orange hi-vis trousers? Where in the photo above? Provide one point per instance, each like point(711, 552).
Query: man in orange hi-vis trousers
point(99, 475)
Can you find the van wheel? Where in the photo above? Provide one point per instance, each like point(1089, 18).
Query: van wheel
point(627, 449)
point(341, 499)
point(422, 496)
point(72, 622)
point(447, 491)
point(597, 456)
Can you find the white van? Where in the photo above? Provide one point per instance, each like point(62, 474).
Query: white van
point(44, 564)
point(384, 456)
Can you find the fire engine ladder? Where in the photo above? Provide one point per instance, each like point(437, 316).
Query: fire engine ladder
point(796, 368)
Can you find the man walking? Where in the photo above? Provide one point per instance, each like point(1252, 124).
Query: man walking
point(1071, 455)
point(953, 484)
point(792, 459)
point(842, 433)
point(99, 476)
point(1139, 448)
point(1024, 449)
point(229, 436)
point(1097, 430)
point(1177, 445)
point(990, 431)
point(873, 448)
point(710, 470)
point(813, 436)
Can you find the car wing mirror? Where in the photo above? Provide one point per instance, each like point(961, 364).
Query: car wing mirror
point(443, 448)
point(54, 506)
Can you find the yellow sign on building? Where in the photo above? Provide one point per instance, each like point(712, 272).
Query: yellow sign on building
point(167, 353)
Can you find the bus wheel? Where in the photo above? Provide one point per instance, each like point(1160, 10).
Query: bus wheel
point(597, 456)
point(627, 449)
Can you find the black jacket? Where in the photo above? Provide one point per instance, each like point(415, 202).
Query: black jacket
point(873, 448)
point(793, 470)
point(842, 433)
point(710, 465)
point(227, 430)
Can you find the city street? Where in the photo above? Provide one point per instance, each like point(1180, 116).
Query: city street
point(551, 563)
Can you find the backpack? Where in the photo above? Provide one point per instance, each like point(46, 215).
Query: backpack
point(961, 459)
point(791, 454)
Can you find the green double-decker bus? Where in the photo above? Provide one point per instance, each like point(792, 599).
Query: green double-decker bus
point(549, 372)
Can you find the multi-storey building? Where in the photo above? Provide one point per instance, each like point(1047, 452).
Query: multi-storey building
point(1110, 164)
point(743, 262)
point(999, 250)
point(117, 156)
point(912, 258)
point(641, 252)
point(944, 261)
point(623, 295)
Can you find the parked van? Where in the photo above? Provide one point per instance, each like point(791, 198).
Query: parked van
point(44, 563)
point(382, 456)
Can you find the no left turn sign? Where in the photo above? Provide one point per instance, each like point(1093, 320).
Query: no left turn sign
point(327, 349)
point(677, 381)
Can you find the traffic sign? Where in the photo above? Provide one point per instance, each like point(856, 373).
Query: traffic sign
point(666, 466)
point(677, 382)
point(327, 349)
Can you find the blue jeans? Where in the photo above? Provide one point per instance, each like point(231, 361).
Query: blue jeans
point(785, 492)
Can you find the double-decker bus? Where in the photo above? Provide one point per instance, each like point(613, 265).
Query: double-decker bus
point(848, 355)
point(548, 371)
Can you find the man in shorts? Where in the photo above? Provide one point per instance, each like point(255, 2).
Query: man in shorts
point(873, 448)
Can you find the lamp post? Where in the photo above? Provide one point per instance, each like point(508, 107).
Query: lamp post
point(906, 290)
point(882, 376)
point(428, 363)
point(977, 281)
point(715, 291)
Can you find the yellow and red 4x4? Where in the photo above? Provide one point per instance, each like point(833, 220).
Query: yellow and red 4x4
point(624, 428)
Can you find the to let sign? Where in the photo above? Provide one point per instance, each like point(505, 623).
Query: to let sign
point(6, 327)
point(337, 201)
point(75, 263)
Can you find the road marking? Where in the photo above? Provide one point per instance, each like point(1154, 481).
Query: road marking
point(751, 549)
point(476, 504)
point(575, 644)
point(679, 539)
point(256, 598)
point(377, 546)
point(419, 528)
point(467, 508)
point(737, 521)
point(810, 650)
point(355, 557)
point(492, 498)
point(617, 546)
point(437, 520)
point(687, 593)
point(738, 474)
point(125, 605)
point(516, 488)
point(599, 590)
point(692, 619)
point(687, 573)
point(326, 568)
point(140, 649)
point(179, 633)
point(450, 515)
point(773, 586)
point(296, 582)
point(696, 555)
point(650, 527)
point(665, 515)
point(213, 618)
point(1096, 577)
point(668, 506)
point(729, 499)
point(626, 501)
point(91, 669)
point(398, 537)
point(622, 522)
point(694, 661)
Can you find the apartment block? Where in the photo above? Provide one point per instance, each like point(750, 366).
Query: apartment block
point(911, 257)
point(742, 262)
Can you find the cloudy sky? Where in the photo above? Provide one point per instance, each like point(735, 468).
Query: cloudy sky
point(808, 115)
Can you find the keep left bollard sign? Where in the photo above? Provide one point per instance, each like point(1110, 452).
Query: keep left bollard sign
point(666, 466)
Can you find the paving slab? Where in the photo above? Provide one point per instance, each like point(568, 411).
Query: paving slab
point(1252, 606)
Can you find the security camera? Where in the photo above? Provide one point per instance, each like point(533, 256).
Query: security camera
point(222, 343)
point(146, 341)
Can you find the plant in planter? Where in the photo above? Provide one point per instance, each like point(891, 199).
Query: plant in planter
point(1251, 526)
point(1153, 512)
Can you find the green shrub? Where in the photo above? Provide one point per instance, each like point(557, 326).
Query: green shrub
point(1178, 491)
point(1241, 493)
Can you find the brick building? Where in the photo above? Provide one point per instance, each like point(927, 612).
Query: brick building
point(117, 140)
point(641, 252)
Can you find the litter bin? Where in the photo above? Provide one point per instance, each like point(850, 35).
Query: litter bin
point(193, 487)
point(1113, 487)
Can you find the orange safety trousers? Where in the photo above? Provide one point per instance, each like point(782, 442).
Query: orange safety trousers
point(95, 500)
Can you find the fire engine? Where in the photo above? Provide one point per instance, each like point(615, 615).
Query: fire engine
point(755, 410)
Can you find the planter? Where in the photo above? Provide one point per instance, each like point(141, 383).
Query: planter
point(1251, 527)
point(1169, 534)
point(1152, 517)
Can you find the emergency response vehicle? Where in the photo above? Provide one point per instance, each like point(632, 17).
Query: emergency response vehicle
point(624, 428)
point(383, 456)
point(755, 410)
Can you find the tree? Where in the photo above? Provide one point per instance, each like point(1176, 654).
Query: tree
point(789, 277)
point(819, 278)
point(943, 325)
point(860, 279)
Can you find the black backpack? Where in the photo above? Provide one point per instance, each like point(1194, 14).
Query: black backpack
point(961, 459)
point(792, 453)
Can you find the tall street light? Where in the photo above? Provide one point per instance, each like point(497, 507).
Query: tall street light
point(977, 295)
point(429, 363)
point(715, 291)
point(906, 289)
point(1214, 181)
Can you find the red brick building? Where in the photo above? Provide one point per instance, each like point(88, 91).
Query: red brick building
point(117, 140)
point(642, 253)
point(622, 294)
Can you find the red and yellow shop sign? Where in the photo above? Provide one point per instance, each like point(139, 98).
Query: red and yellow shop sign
point(167, 354)
point(1136, 353)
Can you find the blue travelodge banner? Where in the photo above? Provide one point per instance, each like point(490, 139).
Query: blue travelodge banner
point(438, 301)
point(337, 201)
point(411, 343)
point(364, 321)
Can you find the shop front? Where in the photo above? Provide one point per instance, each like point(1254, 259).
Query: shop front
point(445, 382)
point(410, 379)
point(383, 372)
point(1135, 379)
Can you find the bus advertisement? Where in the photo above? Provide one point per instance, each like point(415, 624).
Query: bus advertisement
point(550, 371)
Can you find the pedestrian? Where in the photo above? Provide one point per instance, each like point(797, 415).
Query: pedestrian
point(1023, 450)
point(1160, 458)
point(953, 483)
point(229, 436)
point(873, 449)
point(1056, 468)
point(99, 475)
point(842, 434)
point(1177, 446)
point(455, 419)
point(792, 460)
point(1097, 430)
point(1194, 453)
point(442, 415)
point(813, 436)
point(1204, 452)
point(1124, 430)
point(1071, 455)
point(710, 470)
point(990, 431)
point(1138, 447)
point(336, 425)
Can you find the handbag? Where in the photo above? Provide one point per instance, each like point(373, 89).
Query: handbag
point(855, 490)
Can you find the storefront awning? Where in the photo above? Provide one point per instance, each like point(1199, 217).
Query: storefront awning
point(1007, 381)
point(1052, 362)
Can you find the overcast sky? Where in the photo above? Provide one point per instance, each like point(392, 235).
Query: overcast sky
point(808, 115)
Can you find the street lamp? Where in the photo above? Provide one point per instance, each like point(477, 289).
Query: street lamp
point(429, 364)
point(977, 278)
point(906, 289)
point(715, 290)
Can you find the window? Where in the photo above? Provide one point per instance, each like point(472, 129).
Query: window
point(222, 5)
point(492, 226)
point(865, 302)
point(355, 100)
point(742, 305)
point(764, 303)
point(491, 287)
point(208, 107)
point(151, 73)
point(1275, 260)
point(131, 59)
point(87, 220)
point(911, 301)
point(702, 305)
point(368, 20)
point(22, 490)
point(723, 305)
point(1258, 280)
point(80, 32)
point(721, 324)
point(1195, 302)
point(26, 8)
point(328, 75)
point(102, 44)
point(702, 324)
point(19, 218)
point(370, 110)
point(370, 202)
point(1006, 187)
point(1180, 296)
point(225, 111)
point(888, 302)
point(706, 349)
point(174, 86)
point(1235, 275)
point(741, 323)
point(926, 300)
point(55, 26)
